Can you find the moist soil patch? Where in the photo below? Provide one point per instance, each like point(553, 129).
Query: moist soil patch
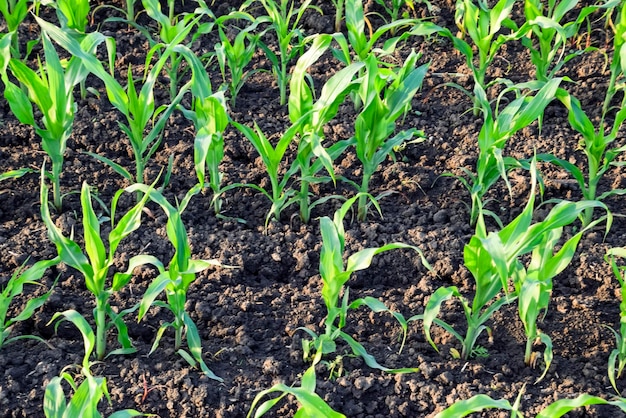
point(248, 317)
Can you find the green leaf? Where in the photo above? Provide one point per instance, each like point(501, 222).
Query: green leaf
point(68, 250)
point(300, 96)
point(563, 406)
point(73, 13)
point(311, 404)
point(433, 307)
point(91, 230)
point(121, 279)
point(19, 103)
point(89, 339)
point(130, 222)
point(195, 347)
point(476, 403)
point(54, 403)
point(154, 289)
point(84, 402)
point(115, 166)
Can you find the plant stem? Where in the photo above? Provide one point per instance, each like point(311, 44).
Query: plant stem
point(529, 350)
point(100, 329)
point(57, 167)
point(339, 4)
point(276, 196)
point(592, 189)
point(468, 343)
point(178, 337)
point(362, 204)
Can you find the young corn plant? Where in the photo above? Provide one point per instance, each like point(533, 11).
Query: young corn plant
point(384, 102)
point(498, 126)
point(128, 12)
point(312, 116)
point(50, 90)
point(280, 194)
point(311, 404)
point(173, 29)
point(358, 46)
point(141, 115)
point(335, 274)
point(485, 27)
point(95, 263)
point(234, 56)
point(84, 402)
point(175, 281)
point(548, 35)
point(494, 259)
point(210, 119)
point(15, 287)
point(533, 285)
point(617, 358)
point(283, 18)
point(138, 108)
point(598, 138)
point(14, 12)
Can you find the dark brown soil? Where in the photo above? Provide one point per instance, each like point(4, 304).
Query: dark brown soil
point(247, 316)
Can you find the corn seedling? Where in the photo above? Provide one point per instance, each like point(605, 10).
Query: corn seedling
point(173, 29)
point(533, 285)
point(15, 287)
point(494, 258)
point(548, 35)
point(95, 265)
point(139, 109)
point(14, 12)
point(84, 401)
point(283, 18)
point(335, 273)
point(50, 89)
point(140, 112)
point(175, 282)
point(392, 8)
point(210, 118)
point(617, 358)
point(311, 404)
point(484, 26)
point(312, 116)
point(383, 103)
point(280, 194)
point(234, 56)
point(597, 139)
point(358, 46)
point(498, 127)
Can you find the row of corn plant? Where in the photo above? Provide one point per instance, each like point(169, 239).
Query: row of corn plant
point(598, 141)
